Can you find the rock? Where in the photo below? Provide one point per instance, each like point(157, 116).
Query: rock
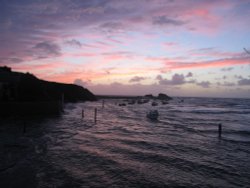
point(149, 96)
point(162, 96)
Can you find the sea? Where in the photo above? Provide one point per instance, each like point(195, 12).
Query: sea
point(124, 148)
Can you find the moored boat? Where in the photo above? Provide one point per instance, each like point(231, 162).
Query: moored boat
point(154, 103)
point(153, 114)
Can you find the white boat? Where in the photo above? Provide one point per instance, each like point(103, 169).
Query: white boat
point(153, 114)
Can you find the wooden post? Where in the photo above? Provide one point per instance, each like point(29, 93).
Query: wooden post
point(82, 113)
point(219, 130)
point(102, 103)
point(95, 114)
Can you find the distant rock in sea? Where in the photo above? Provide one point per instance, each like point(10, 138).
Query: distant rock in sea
point(149, 96)
point(161, 96)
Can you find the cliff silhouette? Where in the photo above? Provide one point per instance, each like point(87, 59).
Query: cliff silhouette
point(25, 87)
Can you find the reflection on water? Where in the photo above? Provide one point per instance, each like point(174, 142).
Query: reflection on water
point(124, 149)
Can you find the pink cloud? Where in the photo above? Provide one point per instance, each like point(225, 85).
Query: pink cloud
point(212, 52)
point(118, 55)
point(80, 54)
point(170, 44)
point(207, 64)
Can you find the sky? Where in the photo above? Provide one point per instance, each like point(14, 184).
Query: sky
point(131, 47)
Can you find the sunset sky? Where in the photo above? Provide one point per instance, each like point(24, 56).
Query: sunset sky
point(131, 47)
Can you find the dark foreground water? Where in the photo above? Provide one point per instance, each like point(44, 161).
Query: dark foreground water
point(124, 149)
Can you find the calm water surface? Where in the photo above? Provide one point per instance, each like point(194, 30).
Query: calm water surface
point(125, 149)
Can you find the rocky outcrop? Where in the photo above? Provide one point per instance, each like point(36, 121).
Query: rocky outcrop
point(162, 96)
point(149, 96)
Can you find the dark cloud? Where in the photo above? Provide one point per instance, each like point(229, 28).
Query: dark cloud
point(159, 77)
point(10, 60)
point(164, 82)
point(238, 76)
point(227, 84)
point(177, 79)
point(227, 69)
point(193, 81)
point(163, 20)
point(204, 84)
point(74, 43)
point(24, 23)
point(190, 74)
point(111, 26)
point(244, 81)
point(137, 79)
point(47, 49)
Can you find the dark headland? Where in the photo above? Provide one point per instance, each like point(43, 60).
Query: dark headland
point(23, 93)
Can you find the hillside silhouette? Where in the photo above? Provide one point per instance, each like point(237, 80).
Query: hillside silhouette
point(23, 87)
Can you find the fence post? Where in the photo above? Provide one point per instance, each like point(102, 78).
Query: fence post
point(95, 115)
point(219, 130)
